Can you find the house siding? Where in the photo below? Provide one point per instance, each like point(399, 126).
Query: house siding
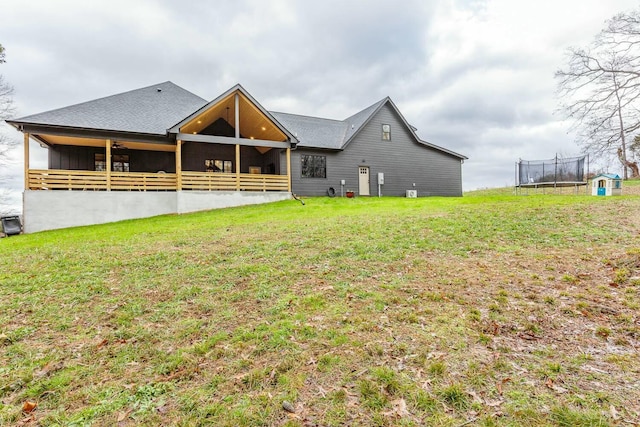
point(402, 160)
point(83, 158)
point(193, 157)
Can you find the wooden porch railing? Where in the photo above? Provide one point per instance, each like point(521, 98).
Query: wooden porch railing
point(57, 179)
point(205, 181)
point(228, 181)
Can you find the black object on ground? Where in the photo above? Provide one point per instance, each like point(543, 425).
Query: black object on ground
point(11, 225)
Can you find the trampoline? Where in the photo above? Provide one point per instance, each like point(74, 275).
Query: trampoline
point(552, 173)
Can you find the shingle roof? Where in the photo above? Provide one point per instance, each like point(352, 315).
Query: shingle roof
point(355, 122)
point(316, 132)
point(313, 131)
point(157, 108)
point(607, 175)
point(150, 110)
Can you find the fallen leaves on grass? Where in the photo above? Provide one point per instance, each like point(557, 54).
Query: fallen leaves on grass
point(399, 409)
point(29, 406)
point(553, 386)
point(48, 369)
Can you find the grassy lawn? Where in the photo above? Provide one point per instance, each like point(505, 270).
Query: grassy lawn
point(488, 310)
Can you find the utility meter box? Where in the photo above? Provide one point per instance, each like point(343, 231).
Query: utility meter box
point(381, 178)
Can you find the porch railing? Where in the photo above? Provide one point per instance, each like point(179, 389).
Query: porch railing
point(57, 179)
point(230, 181)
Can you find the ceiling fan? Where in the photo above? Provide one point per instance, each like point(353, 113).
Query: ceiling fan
point(116, 145)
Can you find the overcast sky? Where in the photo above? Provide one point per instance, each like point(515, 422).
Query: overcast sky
point(474, 76)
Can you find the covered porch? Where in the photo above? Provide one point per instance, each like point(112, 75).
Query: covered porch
point(153, 151)
point(230, 144)
point(56, 179)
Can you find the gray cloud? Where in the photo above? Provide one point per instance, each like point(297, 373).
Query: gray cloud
point(473, 76)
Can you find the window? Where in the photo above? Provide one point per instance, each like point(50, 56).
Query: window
point(313, 166)
point(100, 164)
point(119, 162)
point(219, 166)
point(386, 132)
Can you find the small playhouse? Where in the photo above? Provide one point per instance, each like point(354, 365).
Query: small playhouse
point(606, 184)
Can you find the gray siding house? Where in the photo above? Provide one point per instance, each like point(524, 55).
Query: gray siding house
point(162, 149)
point(377, 140)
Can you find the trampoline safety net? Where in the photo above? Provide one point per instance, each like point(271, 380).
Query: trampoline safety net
point(554, 171)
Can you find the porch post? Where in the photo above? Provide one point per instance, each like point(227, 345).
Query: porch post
point(237, 167)
point(289, 169)
point(108, 161)
point(179, 165)
point(26, 160)
point(237, 118)
point(237, 122)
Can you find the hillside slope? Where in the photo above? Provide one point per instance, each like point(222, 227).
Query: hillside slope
point(486, 310)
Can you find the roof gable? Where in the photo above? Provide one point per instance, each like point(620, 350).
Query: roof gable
point(255, 121)
point(149, 110)
point(356, 122)
point(370, 112)
point(607, 175)
point(315, 132)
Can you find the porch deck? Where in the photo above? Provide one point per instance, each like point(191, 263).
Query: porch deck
point(58, 179)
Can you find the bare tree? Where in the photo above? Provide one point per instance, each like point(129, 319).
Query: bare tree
point(6, 111)
point(600, 90)
point(6, 143)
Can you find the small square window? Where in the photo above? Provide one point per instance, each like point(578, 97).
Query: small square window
point(218, 166)
point(119, 162)
point(386, 132)
point(99, 163)
point(313, 166)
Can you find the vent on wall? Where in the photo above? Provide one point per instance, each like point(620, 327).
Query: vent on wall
point(412, 194)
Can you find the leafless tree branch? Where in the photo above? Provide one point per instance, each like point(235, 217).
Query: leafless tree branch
point(599, 89)
point(7, 144)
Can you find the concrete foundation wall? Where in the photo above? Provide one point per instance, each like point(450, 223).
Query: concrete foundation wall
point(50, 210)
point(193, 201)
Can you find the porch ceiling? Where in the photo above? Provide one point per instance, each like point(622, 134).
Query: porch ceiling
point(253, 123)
point(95, 142)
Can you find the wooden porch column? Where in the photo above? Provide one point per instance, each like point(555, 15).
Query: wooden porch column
point(289, 169)
point(26, 160)
point(237, 122)
point(179, 165)
point(237, 118)
point(237, 167)
point(108, 162)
